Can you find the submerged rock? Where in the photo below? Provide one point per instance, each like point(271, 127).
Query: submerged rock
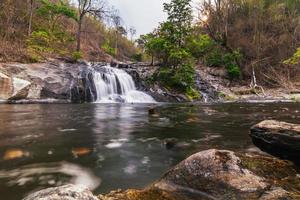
point(67, 192)
point(278, 138)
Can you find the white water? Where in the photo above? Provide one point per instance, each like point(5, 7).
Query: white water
point(115, 85)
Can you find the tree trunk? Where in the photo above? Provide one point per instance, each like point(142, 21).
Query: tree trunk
point(79, 34)
point(30, 17)
point(152, 60)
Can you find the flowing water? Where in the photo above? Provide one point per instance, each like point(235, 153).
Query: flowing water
point(115, 85)
point(110, 146)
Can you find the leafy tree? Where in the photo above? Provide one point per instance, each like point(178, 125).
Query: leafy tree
point(179, 20)
point(54, 11)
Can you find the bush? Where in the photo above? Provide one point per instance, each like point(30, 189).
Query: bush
point(108, 49)
point(178, 56)
point(214, 58)
point(137, 57)
point(233, 71)
point(180, 79)
point(199, 45)
point(76, 55)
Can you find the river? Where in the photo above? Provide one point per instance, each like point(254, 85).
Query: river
point(111, 146)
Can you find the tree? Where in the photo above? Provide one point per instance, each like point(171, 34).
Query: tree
point(54, 11)
point(179, 20)
point(31, 9)
point(97, 8)
point(132, 32)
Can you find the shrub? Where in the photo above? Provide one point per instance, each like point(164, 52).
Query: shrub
point(233, 71)
point(108, 49)
point(76, 55)
point(214, 58)
point(180, 79)
point(199, 45)
point(137, 57)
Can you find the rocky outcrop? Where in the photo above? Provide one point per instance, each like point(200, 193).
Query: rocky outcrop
point(67, 192)
point(278, 138)
point(46, 82)
point(221, 174)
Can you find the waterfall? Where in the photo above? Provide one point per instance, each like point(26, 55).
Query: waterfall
point(115, 85)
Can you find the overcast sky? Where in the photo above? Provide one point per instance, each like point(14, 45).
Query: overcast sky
point(144, 15)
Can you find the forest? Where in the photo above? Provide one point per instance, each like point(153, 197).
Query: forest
point(35, 30)
point(257, 41)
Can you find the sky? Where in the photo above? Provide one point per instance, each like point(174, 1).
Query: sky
point(144, 15)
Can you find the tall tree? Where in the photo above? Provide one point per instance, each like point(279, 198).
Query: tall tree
point(31, 9)
point(97, 8)
point(179, 20)
point(132, 32)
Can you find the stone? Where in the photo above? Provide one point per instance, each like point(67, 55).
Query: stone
point(66, 192)
point(221, 174)
point(20, 89)
point(6, 86)
point(278, 138)
point(214, 174)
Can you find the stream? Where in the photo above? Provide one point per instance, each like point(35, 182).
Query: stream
point(111, 146)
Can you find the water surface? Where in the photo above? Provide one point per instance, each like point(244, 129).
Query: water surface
point(110, 146)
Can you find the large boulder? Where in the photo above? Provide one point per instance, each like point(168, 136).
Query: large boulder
point(278, 138)
point(221, 174)
point(67, 192)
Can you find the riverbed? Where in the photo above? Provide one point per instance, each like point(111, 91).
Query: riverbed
point(111, 146)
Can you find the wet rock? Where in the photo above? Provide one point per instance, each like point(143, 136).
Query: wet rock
point(220, 174)
point(67, 192)
point(152, 111)
point(278, 138)
point(216, 174)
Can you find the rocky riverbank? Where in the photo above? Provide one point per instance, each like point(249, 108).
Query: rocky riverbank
point(61, 82)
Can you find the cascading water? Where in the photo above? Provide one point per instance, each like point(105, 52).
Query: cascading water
point(115, 85)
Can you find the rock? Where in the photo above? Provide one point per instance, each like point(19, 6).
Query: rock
point(6, 86)
point(67, 192)
point(214, 174)
point(221, 174)
point(152, 111)
point(278, 138)
point(20, 89)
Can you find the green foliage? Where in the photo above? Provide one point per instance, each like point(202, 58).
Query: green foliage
point(192, 94)
point(180, 79)
point(233, 71)
point(179, 21)
point(199, 45)
point(217, 58)
point(137, 57)
point(179, 56)
point(108, 48)
point(214, 58)
point(76, 55)
point(294, 60)
point(51, 10)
